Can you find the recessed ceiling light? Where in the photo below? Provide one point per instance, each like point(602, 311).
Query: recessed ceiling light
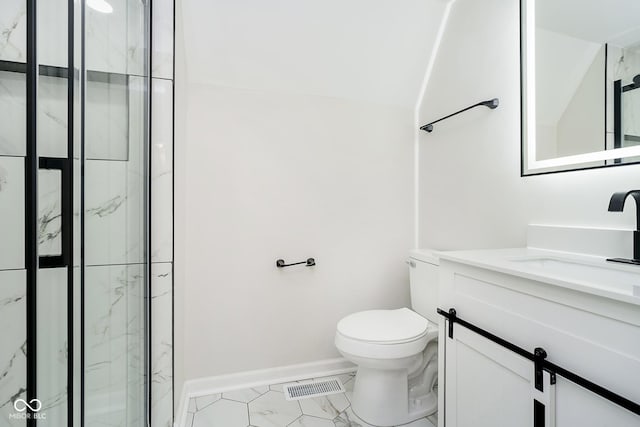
point(100, 6)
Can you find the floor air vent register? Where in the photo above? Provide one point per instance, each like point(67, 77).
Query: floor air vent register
point(297, 391)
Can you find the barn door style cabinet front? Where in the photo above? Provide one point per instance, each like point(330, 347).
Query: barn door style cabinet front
point(516, 352)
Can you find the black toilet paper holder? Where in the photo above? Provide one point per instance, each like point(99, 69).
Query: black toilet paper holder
point(308, 263)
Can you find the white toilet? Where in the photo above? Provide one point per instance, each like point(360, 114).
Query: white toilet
point(396, 352)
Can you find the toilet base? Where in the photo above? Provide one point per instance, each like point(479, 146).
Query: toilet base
point(381, 397)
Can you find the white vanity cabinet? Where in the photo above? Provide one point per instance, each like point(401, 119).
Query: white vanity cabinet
point(488, 385)
point(484, 384)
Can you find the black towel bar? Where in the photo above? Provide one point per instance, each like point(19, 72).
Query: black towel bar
point(309, 262)
point(491, 103)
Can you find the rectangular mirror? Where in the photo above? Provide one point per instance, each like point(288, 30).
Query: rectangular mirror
point(580, 84)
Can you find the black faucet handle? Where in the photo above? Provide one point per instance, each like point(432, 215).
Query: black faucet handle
point(616, 204)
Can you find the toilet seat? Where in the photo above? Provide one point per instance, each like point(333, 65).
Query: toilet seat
point(384, 326)
point(384, 334)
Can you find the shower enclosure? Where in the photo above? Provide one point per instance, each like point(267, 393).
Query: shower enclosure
point(75, 213)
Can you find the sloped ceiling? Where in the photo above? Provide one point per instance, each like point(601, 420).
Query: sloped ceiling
point(561, 65)
point(603, 21)
point(569, 36)
point(364, 50)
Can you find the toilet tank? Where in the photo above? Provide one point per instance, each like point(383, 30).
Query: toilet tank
point(423, 280)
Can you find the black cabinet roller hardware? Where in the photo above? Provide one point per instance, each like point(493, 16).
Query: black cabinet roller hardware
point(308, 263)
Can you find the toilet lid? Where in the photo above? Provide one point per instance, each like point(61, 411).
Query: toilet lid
point(391, 326)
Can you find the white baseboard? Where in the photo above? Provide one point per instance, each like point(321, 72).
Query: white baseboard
point(248, 379)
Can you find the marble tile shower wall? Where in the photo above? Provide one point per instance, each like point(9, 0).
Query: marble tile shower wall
point(114, 230)
point(12, 273)
point(162, 215)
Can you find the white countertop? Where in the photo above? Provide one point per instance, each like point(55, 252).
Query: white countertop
point(426, 255)
point(594, 275)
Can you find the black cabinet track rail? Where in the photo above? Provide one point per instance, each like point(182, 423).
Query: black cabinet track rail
point(541, 363)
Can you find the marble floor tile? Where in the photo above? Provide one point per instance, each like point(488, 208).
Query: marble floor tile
point(348, 387)
point(192, 408)
point(308, 421)
point(349, 419)
point(272, 409)
point(246, 395)
point(327, 407)
point(422, 422)
point(223, 413)
point(189, 421)
point(266, 406)
point(204, 401)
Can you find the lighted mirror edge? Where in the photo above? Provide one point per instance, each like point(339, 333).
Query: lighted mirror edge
point(616, 153)
point(528, 52)
point(528, 72)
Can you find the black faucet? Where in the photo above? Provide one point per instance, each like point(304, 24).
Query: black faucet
point(616, 204)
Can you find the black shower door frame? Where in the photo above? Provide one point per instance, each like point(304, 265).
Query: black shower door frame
point(76, 75)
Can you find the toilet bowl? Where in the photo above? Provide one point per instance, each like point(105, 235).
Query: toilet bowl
point(396, 353)
point(393, 384)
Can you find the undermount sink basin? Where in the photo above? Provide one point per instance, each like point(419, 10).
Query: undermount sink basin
point(603, 275)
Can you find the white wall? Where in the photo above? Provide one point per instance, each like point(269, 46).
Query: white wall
point(269, 176)
point(470, 190)
point(363, 50)
point(310, 154)
point(294, 138)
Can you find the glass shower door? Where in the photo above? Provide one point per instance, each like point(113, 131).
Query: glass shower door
point(55, 282)
point(116, 270)
point(13, 274)
point(74, 197)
